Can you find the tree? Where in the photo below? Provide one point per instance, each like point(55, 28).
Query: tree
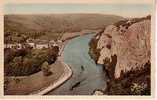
point(28, 66)
point(46, 69)
point(17, 65)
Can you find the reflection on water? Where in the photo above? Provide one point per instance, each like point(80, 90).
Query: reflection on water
point(87, 76)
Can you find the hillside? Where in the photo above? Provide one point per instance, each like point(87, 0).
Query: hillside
point(56, 23)
point(124, 50)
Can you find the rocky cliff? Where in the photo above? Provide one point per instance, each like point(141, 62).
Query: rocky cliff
point(124, 50)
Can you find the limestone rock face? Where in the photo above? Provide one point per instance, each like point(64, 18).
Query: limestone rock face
point(131, 46)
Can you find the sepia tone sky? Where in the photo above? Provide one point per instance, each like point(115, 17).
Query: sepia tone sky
point(82, 1)
point(127, 8)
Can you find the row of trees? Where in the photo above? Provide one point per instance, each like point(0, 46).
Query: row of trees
point(11, 37)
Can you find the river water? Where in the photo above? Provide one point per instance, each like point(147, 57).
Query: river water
point(89, 77)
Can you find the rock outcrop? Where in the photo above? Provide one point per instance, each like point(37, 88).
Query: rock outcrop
point(125, 52)
point(131, 46)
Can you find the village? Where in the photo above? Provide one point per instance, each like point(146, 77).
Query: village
point(35, 44)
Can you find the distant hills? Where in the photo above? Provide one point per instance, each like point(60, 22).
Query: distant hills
point(58, 23)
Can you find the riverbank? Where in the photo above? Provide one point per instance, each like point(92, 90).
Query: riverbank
point(64, 77)
point(71, 35)
point(67, 73)
point(61, 73)
point(24, 85)
point(87, 76)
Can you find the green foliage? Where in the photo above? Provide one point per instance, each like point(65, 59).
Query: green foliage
point(93, 51)
point(46, 69)
point(137, 88)
point(17, 80)
point(132, 83)
point(28, 61)
point(16, 65)
point(14, 37)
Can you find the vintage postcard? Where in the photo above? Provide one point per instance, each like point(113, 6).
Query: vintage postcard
point(78, 48)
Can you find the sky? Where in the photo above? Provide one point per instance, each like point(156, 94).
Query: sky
point(129, 8)
point(83, 1)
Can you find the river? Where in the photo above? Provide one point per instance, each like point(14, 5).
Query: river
point(88, 77)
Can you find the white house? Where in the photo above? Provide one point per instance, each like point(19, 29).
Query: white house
point(40, 46)
point(31, 44)
point(15, 46)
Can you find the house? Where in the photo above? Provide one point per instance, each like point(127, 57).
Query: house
point(7, 45)
point(30, 40)
point(39, 44)
point(52, 43)
point(31, 44)
point(15, 46)
point(59, 43)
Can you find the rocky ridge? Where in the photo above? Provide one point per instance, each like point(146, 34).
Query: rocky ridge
point(125, 51)
point(131, 46)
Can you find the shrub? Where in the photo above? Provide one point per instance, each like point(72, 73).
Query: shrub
point(93, 51)
point(46, 69)
point(16, 66)
point(138, 88)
